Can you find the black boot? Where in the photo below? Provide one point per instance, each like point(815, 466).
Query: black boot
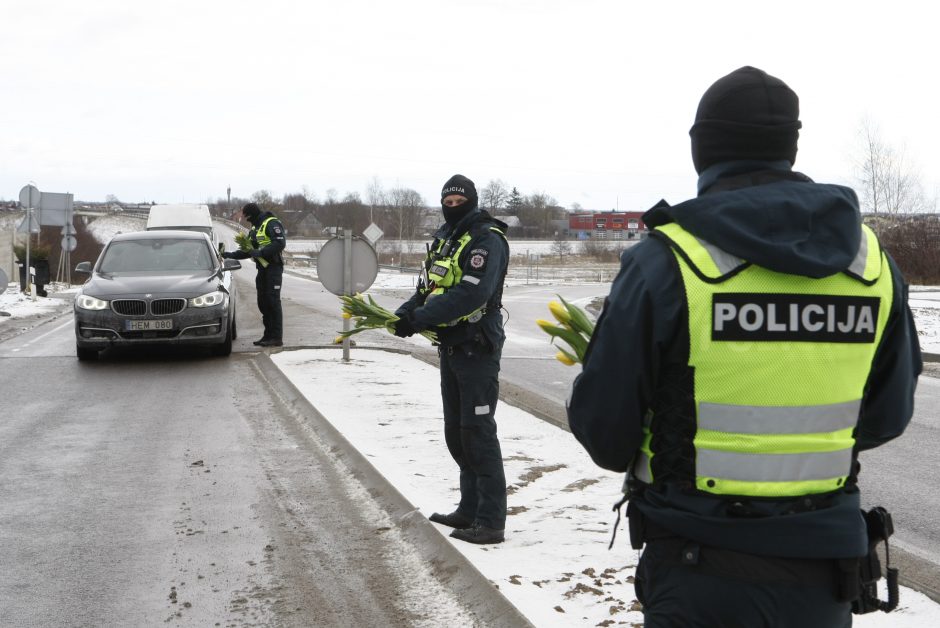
point(478, 534)
point(453, 520)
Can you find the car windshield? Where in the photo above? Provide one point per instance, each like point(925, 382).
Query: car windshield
point(162, 255)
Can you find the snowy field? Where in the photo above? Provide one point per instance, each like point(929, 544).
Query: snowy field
point(529, 248)
point(924, 300)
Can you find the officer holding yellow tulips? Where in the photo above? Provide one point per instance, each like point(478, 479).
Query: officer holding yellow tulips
point(749, 349)
point(459, 298)
point(264, 244)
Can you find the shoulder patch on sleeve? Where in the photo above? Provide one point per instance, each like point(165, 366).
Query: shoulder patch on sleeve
point(478, 259)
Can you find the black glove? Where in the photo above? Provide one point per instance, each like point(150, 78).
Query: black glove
point(404, 327)
point(227, 255)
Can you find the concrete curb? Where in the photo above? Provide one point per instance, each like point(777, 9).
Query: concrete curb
point(24, 324)
point(915, 572)
point(448, 565)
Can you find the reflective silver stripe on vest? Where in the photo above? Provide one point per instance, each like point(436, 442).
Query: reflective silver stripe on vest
point(641, 467)
point(857, 267)
point(778, 420)
point(727, 465)
point(726, 262)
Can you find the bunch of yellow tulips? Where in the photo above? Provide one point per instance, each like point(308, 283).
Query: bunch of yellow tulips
point(244, 244)
point(573, 326)
point(370, 315)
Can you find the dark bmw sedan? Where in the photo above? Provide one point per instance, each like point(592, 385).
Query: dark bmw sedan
point(156, 287)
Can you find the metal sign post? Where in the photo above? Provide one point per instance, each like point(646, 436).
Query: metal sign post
point(29, 198)
point(345, 266)
point(347, 285)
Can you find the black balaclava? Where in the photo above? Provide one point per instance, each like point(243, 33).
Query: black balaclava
point(747, 114)
point(251, 212)
point(458, 184)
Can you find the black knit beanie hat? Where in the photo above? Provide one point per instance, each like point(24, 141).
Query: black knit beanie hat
point(251, 211)
point(459, 184)
point(747, 114)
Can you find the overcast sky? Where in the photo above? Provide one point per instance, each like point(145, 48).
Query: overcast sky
point(589, 101)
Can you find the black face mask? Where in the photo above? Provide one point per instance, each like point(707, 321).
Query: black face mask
point(453, 214)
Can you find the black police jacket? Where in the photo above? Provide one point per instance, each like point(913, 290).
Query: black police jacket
point(272, 252)
point(637, 358)
point(483, 261)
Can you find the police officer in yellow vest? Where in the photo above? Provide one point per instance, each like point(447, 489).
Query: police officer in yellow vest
point(460, 297)
point(268, 239)
point(749, 349)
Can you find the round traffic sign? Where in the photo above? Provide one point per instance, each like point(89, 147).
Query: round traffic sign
point(69, 243)
point(363, 261)
point(29, 196)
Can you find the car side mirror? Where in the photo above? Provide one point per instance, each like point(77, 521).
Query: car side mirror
point(230, 264)
point(83, 267)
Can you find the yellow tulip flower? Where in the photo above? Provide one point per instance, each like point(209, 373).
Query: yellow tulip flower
point(559, 311)
point(564, 359)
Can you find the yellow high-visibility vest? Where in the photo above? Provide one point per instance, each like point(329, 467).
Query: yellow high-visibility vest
point(444, 272)
point(779, 364)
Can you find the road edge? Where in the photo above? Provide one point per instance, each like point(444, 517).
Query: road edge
point(480, 596)
point(915, 572)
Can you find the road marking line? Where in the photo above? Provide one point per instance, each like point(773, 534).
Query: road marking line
point(38, 338)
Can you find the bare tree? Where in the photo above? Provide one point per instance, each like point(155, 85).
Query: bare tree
point(375, 195)
point(561, 246)
point(494, 196)
point(309, 194)
point(348, 213)
point(888, 182)
point(537, 212)
point(265, 200)
point(407, 208)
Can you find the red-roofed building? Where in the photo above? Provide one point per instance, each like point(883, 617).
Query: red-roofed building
point(606, 225)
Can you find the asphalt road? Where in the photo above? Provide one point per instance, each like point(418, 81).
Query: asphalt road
point(171, 488)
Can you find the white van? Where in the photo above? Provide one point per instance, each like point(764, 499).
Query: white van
point(186, 216)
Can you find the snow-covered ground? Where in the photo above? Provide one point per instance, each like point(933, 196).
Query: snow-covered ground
point(554, 565)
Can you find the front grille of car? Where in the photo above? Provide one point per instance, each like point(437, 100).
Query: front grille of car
point(129, 307)
point(163, 307)
point(138, 307)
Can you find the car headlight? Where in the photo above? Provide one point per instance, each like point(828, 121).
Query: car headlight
point(90, 303)
point(208, 300)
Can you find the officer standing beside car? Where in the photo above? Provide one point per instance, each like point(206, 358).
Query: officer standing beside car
point(460, 298)
point(268, 239)
point(748, 350)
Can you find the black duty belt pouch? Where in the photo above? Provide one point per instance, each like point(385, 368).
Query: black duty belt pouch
point(880, 528)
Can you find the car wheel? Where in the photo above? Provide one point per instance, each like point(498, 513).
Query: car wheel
point(234, 328)
point(85, 354)
point(225, 348)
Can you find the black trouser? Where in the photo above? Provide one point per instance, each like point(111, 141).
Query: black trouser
point(684, 585)
point(268, 285)
point(470, 390)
